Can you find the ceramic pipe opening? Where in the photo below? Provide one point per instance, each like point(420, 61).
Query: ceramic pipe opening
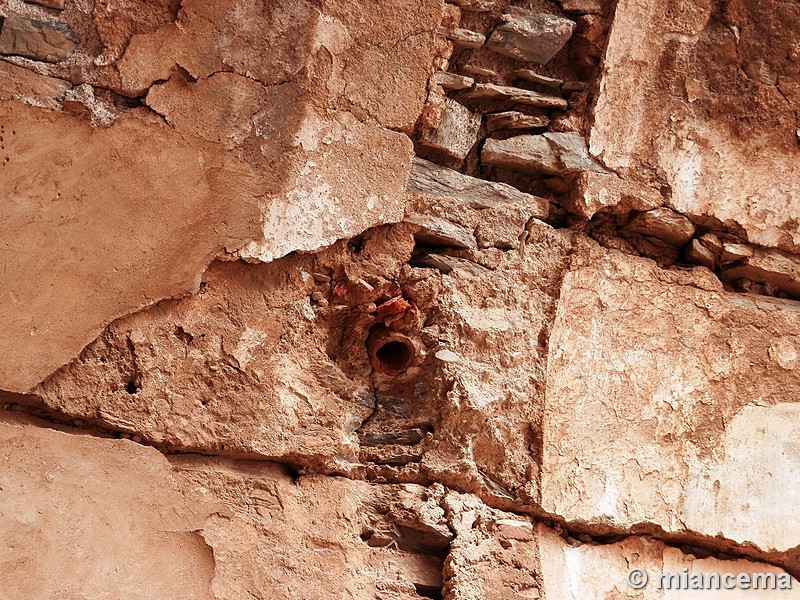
point(390, 352)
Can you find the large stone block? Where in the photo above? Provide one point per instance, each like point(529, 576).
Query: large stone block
point(345, 176)
point(494, 554)
point(82, 517)
point(638, 567)
point(85, 243)
point(274, 142)
point(723, 139)
point(317, 537)
point(672, 402)
point(344, 59)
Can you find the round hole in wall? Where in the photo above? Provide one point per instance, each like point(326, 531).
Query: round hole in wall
point(395, 356)
point(390, 352)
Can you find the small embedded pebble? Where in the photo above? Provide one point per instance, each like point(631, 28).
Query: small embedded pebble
point(447, 356)
point(317, 296)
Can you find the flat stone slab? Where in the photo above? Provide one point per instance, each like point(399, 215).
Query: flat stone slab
point(583, 7)
point(466, 38)
point(664, 224)
point(700, 154)
point(553, 153)
point(669, 401)
point(515, 95)
point(24, 85)
point(602, 570)
point(37, 40)
point(478, 6)
point(430, 179)
point(514, 120)
point(735, 252)
point(434, 231)
point(774, 267)
point(535, 77)
point(452, 81)
point(448, 264)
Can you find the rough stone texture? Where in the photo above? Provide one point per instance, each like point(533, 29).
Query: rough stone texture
point(25, 86)
point(58, 4)
point(734, 253)
point(594, 192)
point(250, 349)
point(238, 142)
point(512, 120)
point(708, 445)
point(202, 528)
point(324, 204)
point(220, 108)
point(434, 231)
point(466, 38)
point(476, 5)
point(664, 224)
point(769, 266)
point(493, 555)
point(537, 78)
point(152, 241)
point(88, 518)
point(535, 37)
point(591, 7)
point(452, 81)
point(274, 42)
point(431, 180)
point(696, 253)
point(512, 95)
point(599, 572)
point(363, 541)
point(38, 40)
point(199, 527)
point(455, 131)
point(522, 153)
point(296, 305)
point(696, 116)
point(553, 153)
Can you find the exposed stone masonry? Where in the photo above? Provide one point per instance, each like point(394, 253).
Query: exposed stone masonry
point(471, 299)
point(660, 233)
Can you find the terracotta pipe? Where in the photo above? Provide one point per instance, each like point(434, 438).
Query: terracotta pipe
point(390, 352)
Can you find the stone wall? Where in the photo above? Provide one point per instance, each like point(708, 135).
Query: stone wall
point(476, 299)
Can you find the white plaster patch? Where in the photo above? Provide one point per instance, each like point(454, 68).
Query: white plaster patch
point(751, 495)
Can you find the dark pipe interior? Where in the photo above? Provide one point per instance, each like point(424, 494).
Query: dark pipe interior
point(395, 356)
